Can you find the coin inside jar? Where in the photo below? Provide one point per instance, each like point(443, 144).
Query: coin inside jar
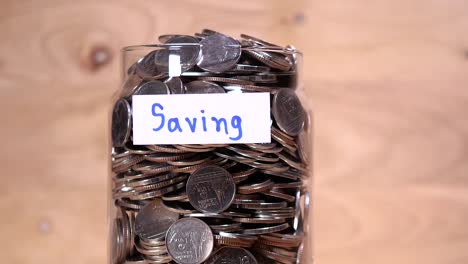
point(146, 67)
point(152, 87)
point(211, 189)
point(175, 85)
point(121, 123)
point(186, 48)
point(202, 87)
point(232, 255)
point(288, 111)
point(219, 53)
point(189, 241)
point(153, 220)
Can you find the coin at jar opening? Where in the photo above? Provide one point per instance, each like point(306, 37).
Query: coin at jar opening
point(258, 41)
point(202, 87)
point(165, 37)
point(152, 87)
point(153, 220)
point(219, 53)
point(288, 111)
point(211, 189)
point(208, 31)
point(232, 255)
point(146, 67)
point(175, 85)
point(121, 123)
point(271, 59)
point(189, 241)
point(186, 47)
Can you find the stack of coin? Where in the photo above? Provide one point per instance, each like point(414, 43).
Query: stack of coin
point(232, 203)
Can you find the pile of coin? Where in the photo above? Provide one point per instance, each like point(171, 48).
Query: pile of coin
point(191, 204)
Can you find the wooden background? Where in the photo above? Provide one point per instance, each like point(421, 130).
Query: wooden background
point(387, 79)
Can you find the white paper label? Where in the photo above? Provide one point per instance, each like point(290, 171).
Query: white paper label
point(201, 118)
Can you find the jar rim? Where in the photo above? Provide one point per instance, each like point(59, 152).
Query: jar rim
point(275, 49)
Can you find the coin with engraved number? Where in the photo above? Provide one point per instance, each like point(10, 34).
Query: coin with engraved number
point(189, 241)
point(211, 189)
point(153, 220)
point(121, 123)
point(219, 53)
point(203, 87)
point(288, 111)
point(232, 255)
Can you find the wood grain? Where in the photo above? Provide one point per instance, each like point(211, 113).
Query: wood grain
point(387, 81)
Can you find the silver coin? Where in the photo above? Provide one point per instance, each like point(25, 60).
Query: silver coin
point(304, 142)
point(175, 84)
point(288, 111)
point(219, 53)
point(202, 87)
point(211, 189)
point(207, 31)
point(232, 227)
point(247, 68)
point(146, 67)
point(189, 241)
point(257, 41)
point(186, 47)
point(117, 242)
point(265, 230)
point(154, 220)
point(152, 87)
point(232, 255)
point(121, 123)
point(272, 59)
point(260, 78)
point(226, 80)
point(164, 38)
point(179, 207)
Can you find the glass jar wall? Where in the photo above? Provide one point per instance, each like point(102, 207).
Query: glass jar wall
point(212, 203)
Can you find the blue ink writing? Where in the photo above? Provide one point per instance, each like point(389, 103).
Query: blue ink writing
point(236, 122)
point(203, 120)
point(174, 125)
point(191, 125)
point(153, 111)
point(220, 124)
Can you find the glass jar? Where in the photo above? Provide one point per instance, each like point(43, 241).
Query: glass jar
point(219, 202)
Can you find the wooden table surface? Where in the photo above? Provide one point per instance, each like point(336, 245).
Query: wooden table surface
point(387, 80)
